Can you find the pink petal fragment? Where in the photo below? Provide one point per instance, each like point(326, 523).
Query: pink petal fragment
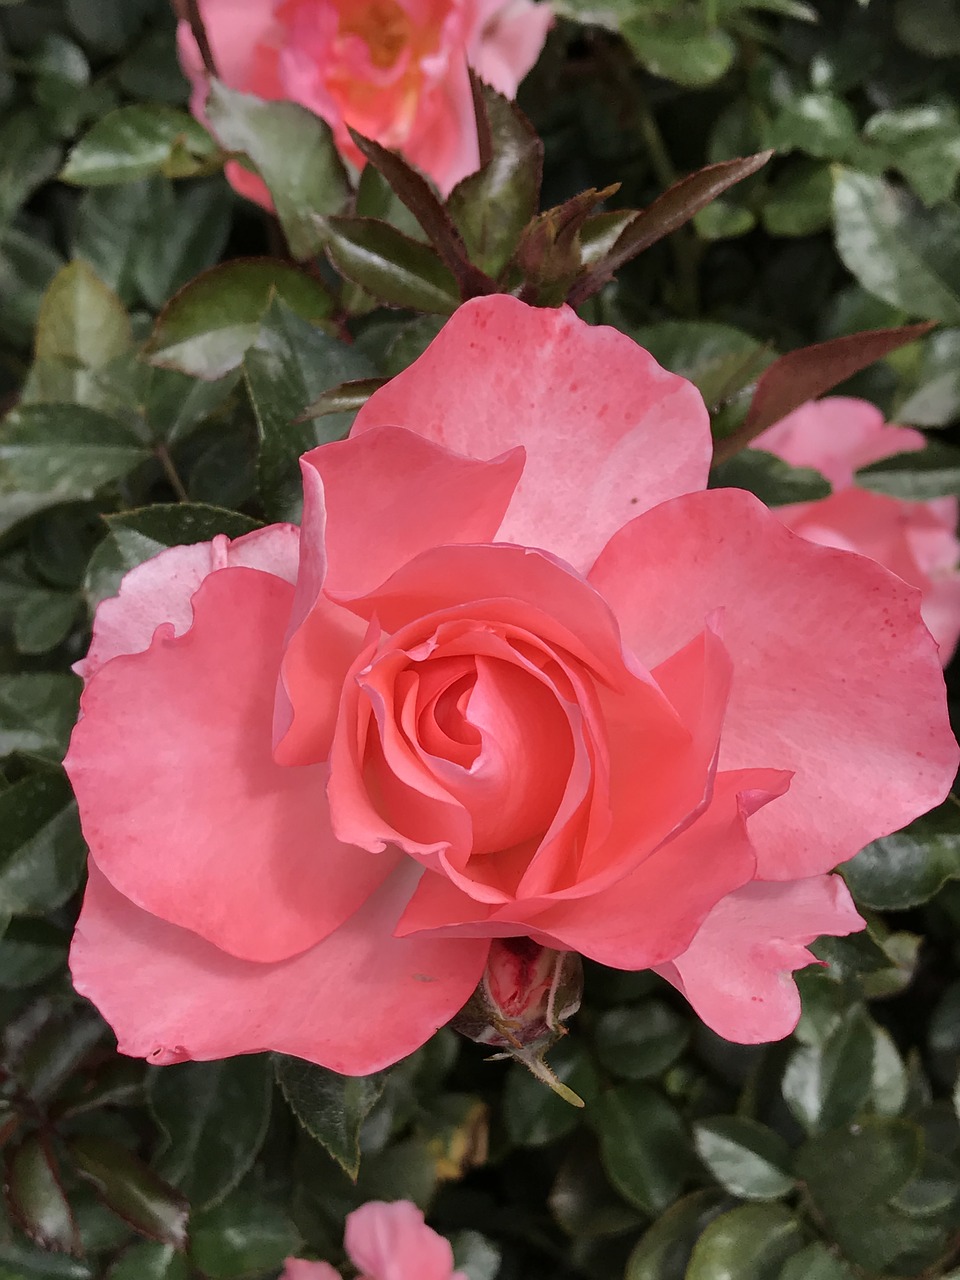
point(507, 41)
point(357, 1002)
point(182, 804)
point(160, 589)
point(607, 432)
point(837, 436)
point(836, 677)
point(737, 972)
point(653, 913)
point(392, 1242)
point(301, 1269)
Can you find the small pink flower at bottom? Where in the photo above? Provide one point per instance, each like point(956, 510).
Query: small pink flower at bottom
point(915, 540)
point(387, 1242)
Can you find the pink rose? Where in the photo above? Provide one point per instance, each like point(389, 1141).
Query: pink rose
point(396, 70)
point(523, 677)
point(386, 1242)
point(916, 540)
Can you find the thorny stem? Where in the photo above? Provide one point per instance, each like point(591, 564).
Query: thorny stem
point(189, 11)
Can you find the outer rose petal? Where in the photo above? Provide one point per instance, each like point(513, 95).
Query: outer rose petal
point(234, 28)
point(392, 1242)
point(592, 409)
point(737, 971)
point(814, 635)
point(160, 589)
point(837, 436)
point(301, 1269)
point(357, 1002)
point(507, 41)
point(182, 804)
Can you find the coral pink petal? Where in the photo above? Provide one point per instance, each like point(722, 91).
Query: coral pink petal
point(182, 804)
point(392, 1242)
point(607, 432)
point(390, 494)
point(837, 436)
point(160, 589)
point(737, 971)
point(357, 1002)
point(835, 676)
point(302, 1269)
point(235, 28)
point(645, 919)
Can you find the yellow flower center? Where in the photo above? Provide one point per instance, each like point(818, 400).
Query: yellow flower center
point(381, 24)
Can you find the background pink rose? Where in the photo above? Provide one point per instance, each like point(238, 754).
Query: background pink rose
point(386, 1242)
point(916, 540)
point(523, 677)
point(396, 70)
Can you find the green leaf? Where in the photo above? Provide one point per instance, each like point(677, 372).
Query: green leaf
point(749, 1243)
point(42, 853)
point(149, 1261)
point(745, 1157)
point(931, 473)
point(37, 1199)
point(799, 201)
point(640, 1040)
point(679, 47)
point(664, 1251)
point(57, 1041)
point(929, 26)
point(65, 451)
point(774, 481)
point(132, 1190)
point(294, 152)
point(136, 536)
point(476, 1256)
point(43, 619)
point(826, 1085)
point(176, 404)
point(723, 220)
point(817, 123)
point(206, 329)
point(20, 1261)
point(330, 1107)
point(815, 1262)
point(37, 713)
point(645, 1147)
point(717, 358)
point(582, 1200)
point(923, 142)
point(81, 320)
point(851, 1171)
point(189, 239)
point(30, 952)
point(935, 401)
point(532, 1113)
point(290, 366)
point(215, 1116)
point(906, 869)
point(27, 266)
point(399, 271)
point(907, 255)
point(137, 140)
point(28, 157)
point(492, 206)
point(245, 1235)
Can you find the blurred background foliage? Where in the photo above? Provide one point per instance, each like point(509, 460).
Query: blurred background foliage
point(133, 422)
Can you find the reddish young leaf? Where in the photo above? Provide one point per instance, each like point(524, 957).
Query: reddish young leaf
point(132, 1189)
point(36, 1197)
point(809, 372)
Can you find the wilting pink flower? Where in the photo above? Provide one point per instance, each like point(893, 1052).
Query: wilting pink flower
point(387, 1242)
point(517, 675)
point(917, 540)
point(396, 70)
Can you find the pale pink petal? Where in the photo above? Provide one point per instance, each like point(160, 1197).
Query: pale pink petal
point(507, 41)
point(357, 1002)
point(737, 972)
point(836, 677)
point(607, 432)
point(392, 1242)
point(837, 436)
point(182, 804)
point(235, 29)
point(301, 1269)
point(159, 590)
point(442, 139)
point(652, 914)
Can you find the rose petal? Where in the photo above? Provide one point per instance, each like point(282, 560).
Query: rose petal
point(608, 433)
point(182, 804)
point(392, 1242)
point(837, 436)
point(507, 40)
point(814, 635)
point(160, 589)
point(652, 914)
point(302, 1269)
point(737, 971)
point(357, 1002)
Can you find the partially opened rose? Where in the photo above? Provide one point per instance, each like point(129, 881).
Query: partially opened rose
point(517, 675)
point(396, 70)
point(916, 540)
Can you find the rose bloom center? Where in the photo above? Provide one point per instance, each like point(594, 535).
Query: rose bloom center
point(381, 24)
